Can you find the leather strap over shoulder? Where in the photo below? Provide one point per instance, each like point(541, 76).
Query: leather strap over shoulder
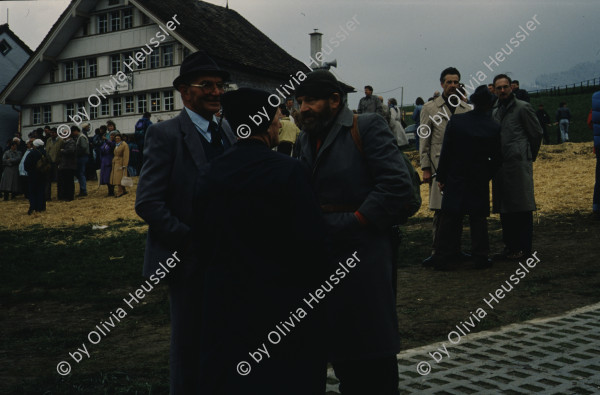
point(356, 134)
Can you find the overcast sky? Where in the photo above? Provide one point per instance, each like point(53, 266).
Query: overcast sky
point(402, 43)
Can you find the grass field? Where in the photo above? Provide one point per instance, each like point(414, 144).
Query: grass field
point(61, 278)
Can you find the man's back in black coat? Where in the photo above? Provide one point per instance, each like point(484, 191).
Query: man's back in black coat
point(264, 251)
point(470, 156)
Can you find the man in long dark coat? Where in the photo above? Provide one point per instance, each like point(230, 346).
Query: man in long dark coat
point(362, 191)
point(470, 157)
point(512, 186)
point(264, 252)
point(175, 151)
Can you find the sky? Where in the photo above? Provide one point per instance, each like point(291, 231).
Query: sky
point(400, 47)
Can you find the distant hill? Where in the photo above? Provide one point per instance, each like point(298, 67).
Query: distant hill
point(577, 73)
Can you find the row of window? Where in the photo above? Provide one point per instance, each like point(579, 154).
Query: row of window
point(88, 68)
point(114, 21)
point(115, 107)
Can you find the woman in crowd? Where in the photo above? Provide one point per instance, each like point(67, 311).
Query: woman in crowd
point(36, 177)
point(119, 164)
point(10, 177)
point(106, 158)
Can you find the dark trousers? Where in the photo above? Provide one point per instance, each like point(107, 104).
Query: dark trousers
point(185, 292)
point(435, 228)
point(546, 135)
point(517, 231)
point(596, 201)
point(81, 165)
point(66, 185)
point(450, 232)
point(285, 147)
point(52, 176)
point(368, 376)
point(37, 193)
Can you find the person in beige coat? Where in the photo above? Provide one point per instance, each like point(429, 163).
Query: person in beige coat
point(119, 164)
point(435, 115)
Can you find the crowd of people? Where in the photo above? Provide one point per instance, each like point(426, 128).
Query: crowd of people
point(45, 158)
point(231, 209)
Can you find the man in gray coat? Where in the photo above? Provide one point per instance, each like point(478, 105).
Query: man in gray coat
point(362, 185)
point(512, 187)
point(174, 153)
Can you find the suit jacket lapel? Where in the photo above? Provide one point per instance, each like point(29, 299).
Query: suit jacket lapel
point(191, 136)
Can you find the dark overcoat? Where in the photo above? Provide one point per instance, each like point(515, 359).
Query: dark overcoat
point(363, 308)
point(263, 247)
point(470, 157)
point(521, 137)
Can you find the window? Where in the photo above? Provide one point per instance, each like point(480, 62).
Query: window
point(116, 107)
point(155, 101)
point(92, 68)
point(127, 19)
point(69, 111)
point(145, 19)
point(53, 74)
point(69, 71)
point(167, 55)
point(114, 2)
point(115, 63)
point(102, 23)
point(85, 28)
point(155, 59)
point(93, 112)
point(80, 64)
point(4, 47)
point(47, 114)
point(142, 104)
point(129, 104)
point(115, 21)
point(104, 108)
point(36, 116)
point(168, 97)
point(81, 107)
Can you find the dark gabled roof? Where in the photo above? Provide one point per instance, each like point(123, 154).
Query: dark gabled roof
point(5, 29)
point(226, 36)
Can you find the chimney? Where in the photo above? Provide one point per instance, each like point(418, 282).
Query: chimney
point(315, 44)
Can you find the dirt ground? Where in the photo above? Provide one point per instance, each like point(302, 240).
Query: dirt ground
point(134, 358)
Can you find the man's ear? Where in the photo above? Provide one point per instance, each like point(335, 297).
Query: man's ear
point(335, 101)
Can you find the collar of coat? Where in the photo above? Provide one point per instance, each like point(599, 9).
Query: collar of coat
point(439, 102)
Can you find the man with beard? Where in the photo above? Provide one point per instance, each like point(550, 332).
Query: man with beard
point(175, 151)
point(362, 185)
point(512, 187)
point(435, 115)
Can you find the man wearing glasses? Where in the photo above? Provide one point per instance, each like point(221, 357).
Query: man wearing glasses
point(174, 154)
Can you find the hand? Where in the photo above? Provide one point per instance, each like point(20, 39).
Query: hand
point(441, 186)
point(426, 176)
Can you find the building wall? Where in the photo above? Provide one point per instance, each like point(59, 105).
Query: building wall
point(10, 63)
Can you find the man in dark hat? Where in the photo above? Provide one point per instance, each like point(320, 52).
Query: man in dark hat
point(264, 248)
point(174, 153)
point(469, 159)
point(362, 185)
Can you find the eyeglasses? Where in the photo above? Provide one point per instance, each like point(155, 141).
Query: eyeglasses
point(209, 86)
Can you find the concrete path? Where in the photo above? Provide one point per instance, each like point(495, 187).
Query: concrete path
point(557, 355)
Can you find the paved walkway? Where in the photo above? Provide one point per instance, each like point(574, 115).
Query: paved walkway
point(558, 355)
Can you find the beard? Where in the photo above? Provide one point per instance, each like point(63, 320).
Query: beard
point(316, 122)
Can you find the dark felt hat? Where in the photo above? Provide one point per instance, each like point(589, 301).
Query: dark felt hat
point(482, 95)
point(198, 63)
point(320, 84)
point(242, 104)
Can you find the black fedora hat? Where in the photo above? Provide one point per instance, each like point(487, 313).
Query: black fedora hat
point(198, 63)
